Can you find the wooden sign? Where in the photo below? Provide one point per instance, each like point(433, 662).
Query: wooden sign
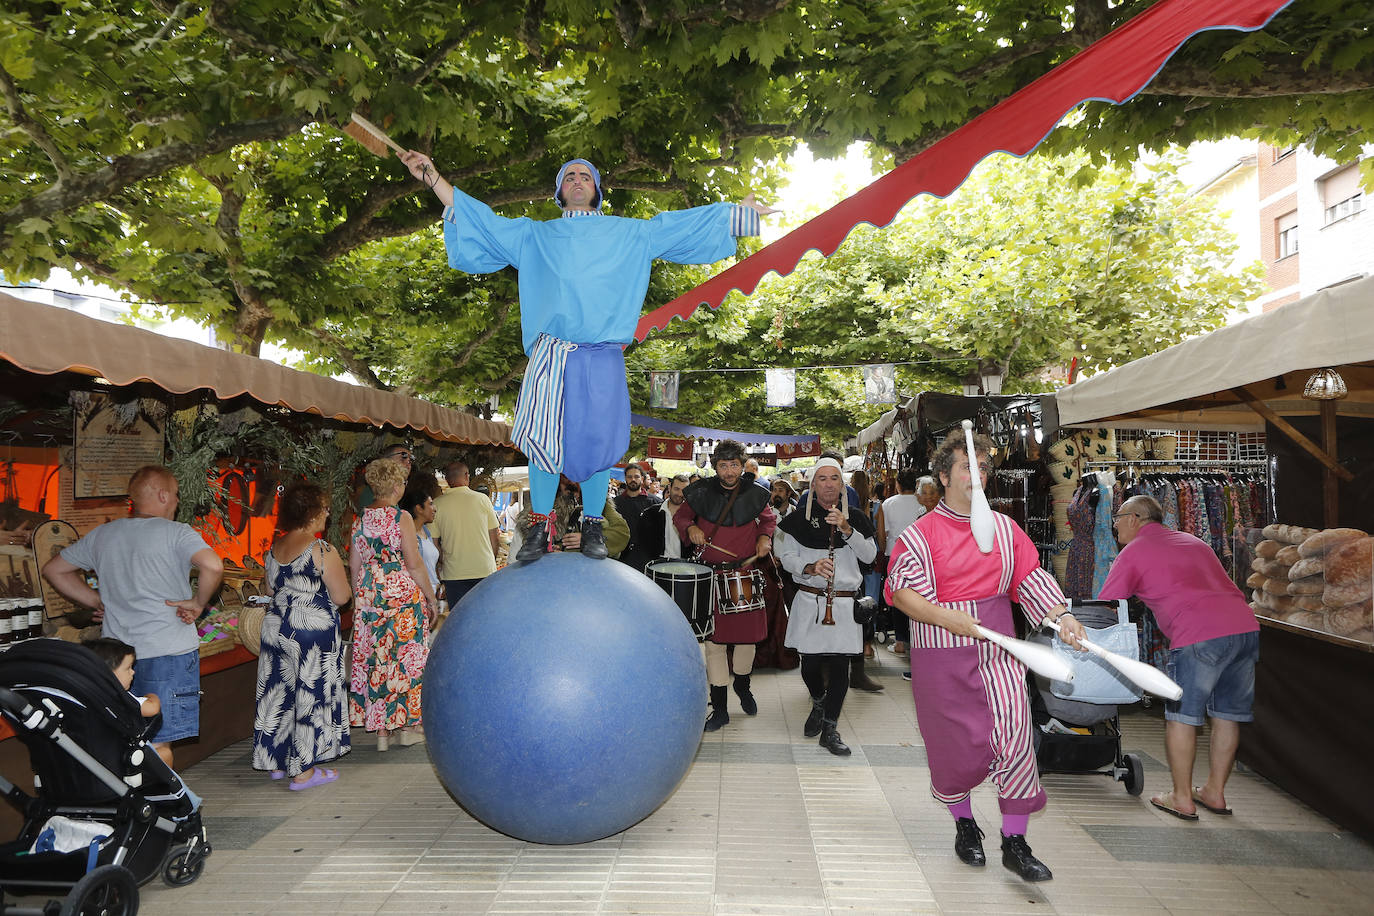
point(112, 441)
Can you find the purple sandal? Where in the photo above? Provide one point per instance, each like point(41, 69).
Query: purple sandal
point(321, 777)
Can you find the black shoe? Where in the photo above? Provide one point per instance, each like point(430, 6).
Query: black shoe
point(746, 699)
point(812, 728)
point(593, 541)
point(968, 842)
point(906, 675)
point(535, 544)
point(718, 716)
point(1016, 855)
point(831, 741)
point(859, 679)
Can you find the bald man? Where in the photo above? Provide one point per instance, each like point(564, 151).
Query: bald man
point(144, 563)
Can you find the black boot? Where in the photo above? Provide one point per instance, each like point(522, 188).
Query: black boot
point(1016, 855)
point(593, 541)
point(813, 721)
point(535, 544)
point(830, 739)
point(968, 842)
point(858, 679)
point(718, 716)
point(746, 699)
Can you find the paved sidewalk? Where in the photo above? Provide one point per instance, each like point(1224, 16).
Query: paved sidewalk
point(766, 822)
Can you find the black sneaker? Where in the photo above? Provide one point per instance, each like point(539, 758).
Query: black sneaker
point(1016, 856)
point(968, 842)
point(593, 541)
point(535, 544)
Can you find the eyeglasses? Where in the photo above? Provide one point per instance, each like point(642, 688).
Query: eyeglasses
point(1125, 515)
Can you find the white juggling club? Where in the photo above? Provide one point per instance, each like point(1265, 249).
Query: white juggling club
point(1038, 658)
point(1146, 677)
point(980, 514)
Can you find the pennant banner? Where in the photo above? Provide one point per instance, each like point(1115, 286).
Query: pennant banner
point(1112, 70)
point(663, 390)
point(781, 386)
point(664, 447)
point(880, 384)
point(706, 432)
point(808, 450)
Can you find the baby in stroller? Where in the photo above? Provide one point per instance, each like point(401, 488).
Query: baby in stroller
point(120, 657)
point(108, 814)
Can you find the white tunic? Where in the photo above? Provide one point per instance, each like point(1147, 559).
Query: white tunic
point(805, 632)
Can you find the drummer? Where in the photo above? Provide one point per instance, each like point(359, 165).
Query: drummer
point(822, 548)
point(728, 521)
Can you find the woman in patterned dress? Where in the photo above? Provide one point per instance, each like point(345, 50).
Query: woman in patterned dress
point(301, 719)
point(390, 627)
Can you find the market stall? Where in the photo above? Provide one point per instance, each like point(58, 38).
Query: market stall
point(83, 402)
point(1303, 375)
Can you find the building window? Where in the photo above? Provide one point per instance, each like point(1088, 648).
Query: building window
point(1284, 152)
point(1286, 228)
point(1341, 194)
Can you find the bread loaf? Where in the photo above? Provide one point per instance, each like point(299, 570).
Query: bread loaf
point(1276, 586)
point(1308, 585)
point(1268, 549)
point(1323, 541)
point(1256, 580)
point(1288, 555)
point(1351, 563)
point(1310, 619)
point(1308, 603)
point(1270, 568)
point(1346, 620)
point(1288, 534)
point(1366, 635)
point(1309, 566)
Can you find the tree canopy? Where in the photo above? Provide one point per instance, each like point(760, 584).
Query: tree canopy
point(1031, 264)
point(188, 152)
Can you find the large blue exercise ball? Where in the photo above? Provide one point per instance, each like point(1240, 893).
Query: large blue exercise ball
point(563, 699)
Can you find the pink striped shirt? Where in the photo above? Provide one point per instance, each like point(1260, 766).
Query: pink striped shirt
point(937, 558)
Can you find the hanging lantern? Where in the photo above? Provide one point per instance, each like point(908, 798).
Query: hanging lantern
point(1324, 385)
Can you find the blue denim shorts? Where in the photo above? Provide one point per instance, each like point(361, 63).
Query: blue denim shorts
point(176, 681)
point(1217, 677)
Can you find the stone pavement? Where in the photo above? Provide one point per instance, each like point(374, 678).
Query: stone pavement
point(766, 822)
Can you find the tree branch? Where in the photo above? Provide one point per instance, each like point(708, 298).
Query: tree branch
point(517, 369)
point(216, 16)
point(351, 361)
point(1283, 76)
point(88, 187)
point(432, 62)
point(40, 137)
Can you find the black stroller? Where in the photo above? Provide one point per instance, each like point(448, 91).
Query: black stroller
point(96, 778)
point(1076, 726)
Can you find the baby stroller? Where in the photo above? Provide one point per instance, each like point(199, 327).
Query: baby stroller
point(107, 815)
point(1075, 724)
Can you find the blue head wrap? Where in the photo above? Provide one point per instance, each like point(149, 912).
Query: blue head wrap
point(558, 182)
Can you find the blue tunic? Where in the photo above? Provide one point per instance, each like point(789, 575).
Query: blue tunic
point(582, 281)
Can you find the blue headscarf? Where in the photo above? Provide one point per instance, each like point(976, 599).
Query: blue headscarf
point(558, 182)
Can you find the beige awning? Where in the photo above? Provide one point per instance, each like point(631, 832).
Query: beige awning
point(1199, 384)
point(46, 340)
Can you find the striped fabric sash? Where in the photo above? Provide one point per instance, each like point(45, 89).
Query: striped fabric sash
point(538, 427)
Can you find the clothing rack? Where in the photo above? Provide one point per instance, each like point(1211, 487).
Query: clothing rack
point(1105, 463)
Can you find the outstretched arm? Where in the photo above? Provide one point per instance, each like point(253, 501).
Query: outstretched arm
point(422, 167)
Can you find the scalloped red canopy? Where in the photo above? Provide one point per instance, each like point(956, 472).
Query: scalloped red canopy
point(1111, 70)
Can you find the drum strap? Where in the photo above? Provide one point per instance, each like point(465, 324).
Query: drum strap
point(724, 514)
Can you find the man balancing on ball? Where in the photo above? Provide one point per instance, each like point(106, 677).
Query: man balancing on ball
point(582, 285)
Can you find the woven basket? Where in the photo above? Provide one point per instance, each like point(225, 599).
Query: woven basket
point(250, 627)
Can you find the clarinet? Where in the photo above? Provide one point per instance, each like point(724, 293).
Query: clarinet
point(829, 619)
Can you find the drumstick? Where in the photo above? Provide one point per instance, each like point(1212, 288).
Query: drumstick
point(1038, 658)
point(1146, 677)
point(980, 515)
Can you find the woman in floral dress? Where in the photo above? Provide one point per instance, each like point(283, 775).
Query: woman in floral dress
point(390, 627)
point(301, 719)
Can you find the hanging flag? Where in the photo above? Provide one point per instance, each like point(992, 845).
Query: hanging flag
point(787, 451)
point(666, 447)
point(880, 384)
point(781, 385)
point(663, 390)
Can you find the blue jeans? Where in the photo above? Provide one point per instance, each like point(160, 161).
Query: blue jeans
point(1217, 677)
point(176, 681)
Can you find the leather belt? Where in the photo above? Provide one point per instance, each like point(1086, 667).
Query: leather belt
point(821, 591)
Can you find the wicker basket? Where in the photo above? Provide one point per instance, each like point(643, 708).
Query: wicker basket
point(250, 627)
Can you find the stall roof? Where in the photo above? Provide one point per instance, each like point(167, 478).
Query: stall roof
point(1194, 385)
point(43, 339)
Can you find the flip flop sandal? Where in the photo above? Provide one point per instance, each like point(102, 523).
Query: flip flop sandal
point(1169, 809)
point(278, 774)
point(1197, 798)
point(321, 777)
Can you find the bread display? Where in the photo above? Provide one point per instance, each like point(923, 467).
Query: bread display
point(1288, 555)
point(1322, 580)
point(1309, 566)
point(1318, 544)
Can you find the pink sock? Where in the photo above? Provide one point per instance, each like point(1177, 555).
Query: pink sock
point(962, 809)
point(1015, 824)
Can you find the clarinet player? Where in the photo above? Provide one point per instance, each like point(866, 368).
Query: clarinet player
point(822, 547)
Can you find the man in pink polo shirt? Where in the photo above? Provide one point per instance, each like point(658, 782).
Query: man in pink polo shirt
point(1213, 646)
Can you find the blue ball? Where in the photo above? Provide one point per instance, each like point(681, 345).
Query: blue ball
point(563, 699)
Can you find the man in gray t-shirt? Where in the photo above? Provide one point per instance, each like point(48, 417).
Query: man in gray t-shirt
point(143, 563)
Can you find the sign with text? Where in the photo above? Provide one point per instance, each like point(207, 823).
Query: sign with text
point(112, 441)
